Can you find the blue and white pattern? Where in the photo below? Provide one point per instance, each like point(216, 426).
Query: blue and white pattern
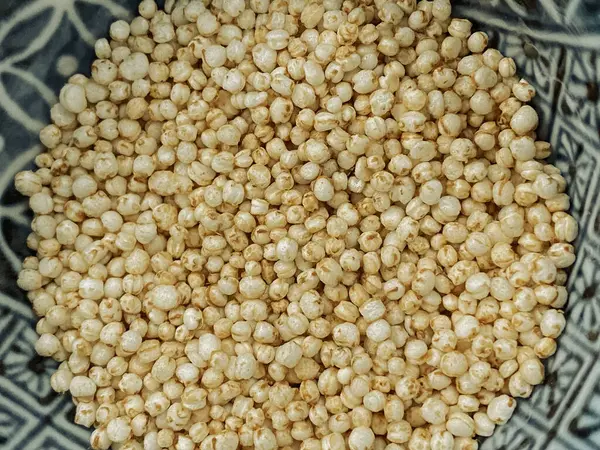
point(555, 44)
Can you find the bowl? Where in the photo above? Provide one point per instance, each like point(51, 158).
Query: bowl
point(555, 44)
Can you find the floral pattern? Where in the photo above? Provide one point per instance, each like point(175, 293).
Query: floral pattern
point(554, 42)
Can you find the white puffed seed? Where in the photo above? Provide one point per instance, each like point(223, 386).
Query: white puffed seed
point(234, 213)
point(501, 408)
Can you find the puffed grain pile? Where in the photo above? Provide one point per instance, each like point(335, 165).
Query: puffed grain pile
point(296, 224)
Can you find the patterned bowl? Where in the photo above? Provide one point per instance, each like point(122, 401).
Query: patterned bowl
point(555, 44)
